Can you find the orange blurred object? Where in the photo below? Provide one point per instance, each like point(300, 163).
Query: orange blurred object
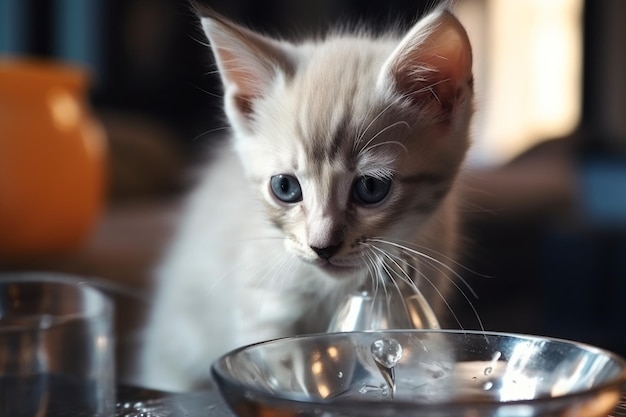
point(52, 159)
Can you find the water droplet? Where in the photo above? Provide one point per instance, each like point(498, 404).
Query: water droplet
point(339, 374)
point(386, 351)
point(494, 359)
point(488, 385)
point(369, 388)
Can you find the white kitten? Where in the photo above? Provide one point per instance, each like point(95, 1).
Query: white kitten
point(345, 152)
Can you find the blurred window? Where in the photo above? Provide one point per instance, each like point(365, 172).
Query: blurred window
point(528, 69)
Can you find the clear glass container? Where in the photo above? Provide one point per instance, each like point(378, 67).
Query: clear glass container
point(391, 306)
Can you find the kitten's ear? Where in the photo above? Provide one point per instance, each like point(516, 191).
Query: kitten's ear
point(433, 61)
point(248, 62)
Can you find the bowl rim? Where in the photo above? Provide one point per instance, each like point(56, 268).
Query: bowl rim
point(282, 400)
point(97, 304)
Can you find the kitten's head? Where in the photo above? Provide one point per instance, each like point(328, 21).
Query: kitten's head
point(348, 139)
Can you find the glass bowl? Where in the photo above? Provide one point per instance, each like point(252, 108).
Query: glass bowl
point(420, 373)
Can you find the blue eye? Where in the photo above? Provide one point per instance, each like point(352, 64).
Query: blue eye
point(369, 190)
point(286, 188)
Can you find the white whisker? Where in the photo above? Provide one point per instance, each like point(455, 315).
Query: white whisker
point(437, 264)
point(380, 132)
point(448, 259)
point(390, 275)
point(394, 261)
point(362, 134)
point(208, 132)
point(371, 258)
point(404, 276)
point(389, 142)
point(438, 291)
point(207, 91)
point(430, 258)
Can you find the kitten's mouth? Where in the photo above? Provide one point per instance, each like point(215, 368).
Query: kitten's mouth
point(336, 268)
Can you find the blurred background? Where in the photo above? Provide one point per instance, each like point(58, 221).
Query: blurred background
point(544, 195)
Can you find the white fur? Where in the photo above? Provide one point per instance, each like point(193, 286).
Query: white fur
point(232, 277)
point(212, 294)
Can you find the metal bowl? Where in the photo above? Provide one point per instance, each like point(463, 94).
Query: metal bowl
point(439, 373)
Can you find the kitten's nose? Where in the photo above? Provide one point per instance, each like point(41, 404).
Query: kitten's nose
point(327, 252)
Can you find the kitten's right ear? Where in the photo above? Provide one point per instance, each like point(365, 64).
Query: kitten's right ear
point(248, 62)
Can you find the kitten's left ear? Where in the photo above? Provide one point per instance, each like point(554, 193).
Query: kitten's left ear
point(433, 61)
point(248, 62)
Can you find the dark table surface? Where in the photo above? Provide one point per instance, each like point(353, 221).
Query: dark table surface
point(138, 402)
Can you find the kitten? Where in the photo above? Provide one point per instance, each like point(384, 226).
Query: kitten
point(343, 161)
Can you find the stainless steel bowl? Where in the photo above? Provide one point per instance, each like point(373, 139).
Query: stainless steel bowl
point(440, 373)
